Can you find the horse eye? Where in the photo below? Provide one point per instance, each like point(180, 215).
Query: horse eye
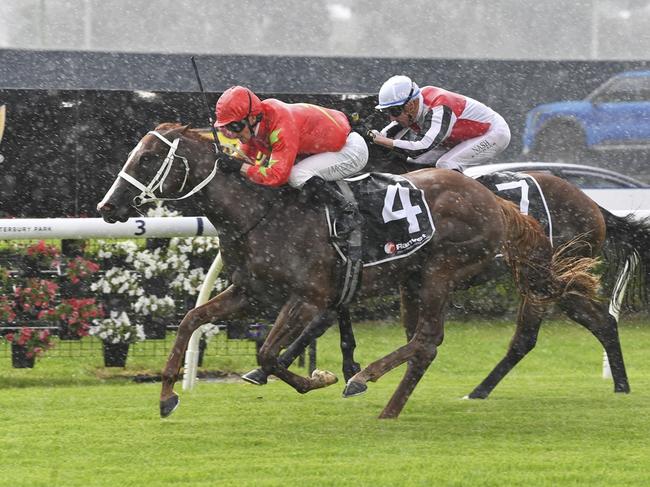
point(146, 158)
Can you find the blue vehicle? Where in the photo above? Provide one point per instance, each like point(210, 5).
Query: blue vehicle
point(615, 117)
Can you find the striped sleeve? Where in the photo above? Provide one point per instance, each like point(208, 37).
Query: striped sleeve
point(440, 127)
point(390, 130)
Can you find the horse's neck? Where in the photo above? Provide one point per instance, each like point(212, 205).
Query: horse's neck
point(232, 204)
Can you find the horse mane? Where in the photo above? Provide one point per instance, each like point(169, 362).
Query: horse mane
point(198, 134)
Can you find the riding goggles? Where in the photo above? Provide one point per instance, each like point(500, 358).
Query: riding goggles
point(236, 126)
point(395, 111)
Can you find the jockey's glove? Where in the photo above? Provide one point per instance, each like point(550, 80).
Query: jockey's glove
point(372, 135)
point(229, 164)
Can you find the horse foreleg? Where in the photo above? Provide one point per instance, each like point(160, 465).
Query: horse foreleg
point(226, 304)
point(419, 352)
point(314, 330)
point(417, 366)
point(421, 349)
point(529, 319)
point(409, 306)
point(294, 314)
point(595, 318)
point(348, 344)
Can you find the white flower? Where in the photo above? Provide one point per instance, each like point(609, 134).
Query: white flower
point(153, 305)
point(210, 330)
point(169, 265)
point(161, 210)
point(117, 328)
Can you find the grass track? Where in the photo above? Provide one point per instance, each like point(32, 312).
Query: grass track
point(552, 422)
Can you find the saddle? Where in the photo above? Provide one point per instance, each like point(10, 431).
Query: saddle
point(397, 219)
point(396, 223)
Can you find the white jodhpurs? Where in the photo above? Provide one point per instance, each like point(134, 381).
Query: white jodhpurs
point(332, 166)
point(479, 149)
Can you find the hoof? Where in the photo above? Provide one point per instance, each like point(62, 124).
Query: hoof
point(168, 406)
point(385, 415)
point(323, 378)
point(257, 377)
point(476, 395)
point(350, 372)
point(622, 389)
point(354, 389)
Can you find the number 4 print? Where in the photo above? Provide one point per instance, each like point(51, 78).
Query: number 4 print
point(408, 211)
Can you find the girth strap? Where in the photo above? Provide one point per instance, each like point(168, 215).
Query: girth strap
point(353, 263)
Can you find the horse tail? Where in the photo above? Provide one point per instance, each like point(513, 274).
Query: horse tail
point(627, 249)
point(540, 273)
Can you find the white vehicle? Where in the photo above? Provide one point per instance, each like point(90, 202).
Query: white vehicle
point(616, 192)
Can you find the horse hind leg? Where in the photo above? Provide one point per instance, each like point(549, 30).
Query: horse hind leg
point(625, 275)
point(529, 320)
point(595, 317)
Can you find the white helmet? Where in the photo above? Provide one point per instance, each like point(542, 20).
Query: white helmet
point(396, 91)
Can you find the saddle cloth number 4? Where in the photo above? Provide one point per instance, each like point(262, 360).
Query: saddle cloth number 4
point(408, 211)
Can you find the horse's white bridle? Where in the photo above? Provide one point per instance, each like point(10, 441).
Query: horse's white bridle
point(147, 195)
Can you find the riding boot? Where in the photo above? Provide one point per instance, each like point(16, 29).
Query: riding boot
point(349, 216)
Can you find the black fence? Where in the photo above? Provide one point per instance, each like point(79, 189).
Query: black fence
point(72, 118)
point(62, 150)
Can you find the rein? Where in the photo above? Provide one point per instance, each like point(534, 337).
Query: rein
point(252, 227)
point(147, 194)
point(147, 191)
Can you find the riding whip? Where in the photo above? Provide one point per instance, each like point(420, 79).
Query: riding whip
point(207, 106)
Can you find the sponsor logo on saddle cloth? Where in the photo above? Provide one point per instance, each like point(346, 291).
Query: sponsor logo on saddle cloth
point(397, 219)
point(523, 190)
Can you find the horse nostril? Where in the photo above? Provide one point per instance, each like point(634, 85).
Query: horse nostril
point(104, 208)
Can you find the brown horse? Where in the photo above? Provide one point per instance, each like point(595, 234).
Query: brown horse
point(623, 242)
point(277, 254)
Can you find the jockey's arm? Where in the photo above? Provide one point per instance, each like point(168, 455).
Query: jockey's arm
point(274, 170)
point(439, 128)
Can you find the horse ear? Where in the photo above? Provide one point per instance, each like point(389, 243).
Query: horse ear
point(185, 127)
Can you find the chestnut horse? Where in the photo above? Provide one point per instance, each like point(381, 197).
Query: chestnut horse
point(277, 253)
point(623, 242)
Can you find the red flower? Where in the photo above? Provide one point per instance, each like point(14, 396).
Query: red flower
point(7, 313)
point(37, 294)
point(35, 342)
point(79, 313)
point(80, 268)
point(47, 254)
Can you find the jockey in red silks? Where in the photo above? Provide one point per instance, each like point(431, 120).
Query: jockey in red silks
point(298, 144)
point(438, 127)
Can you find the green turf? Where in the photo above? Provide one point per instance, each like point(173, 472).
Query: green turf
point(554, 421)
